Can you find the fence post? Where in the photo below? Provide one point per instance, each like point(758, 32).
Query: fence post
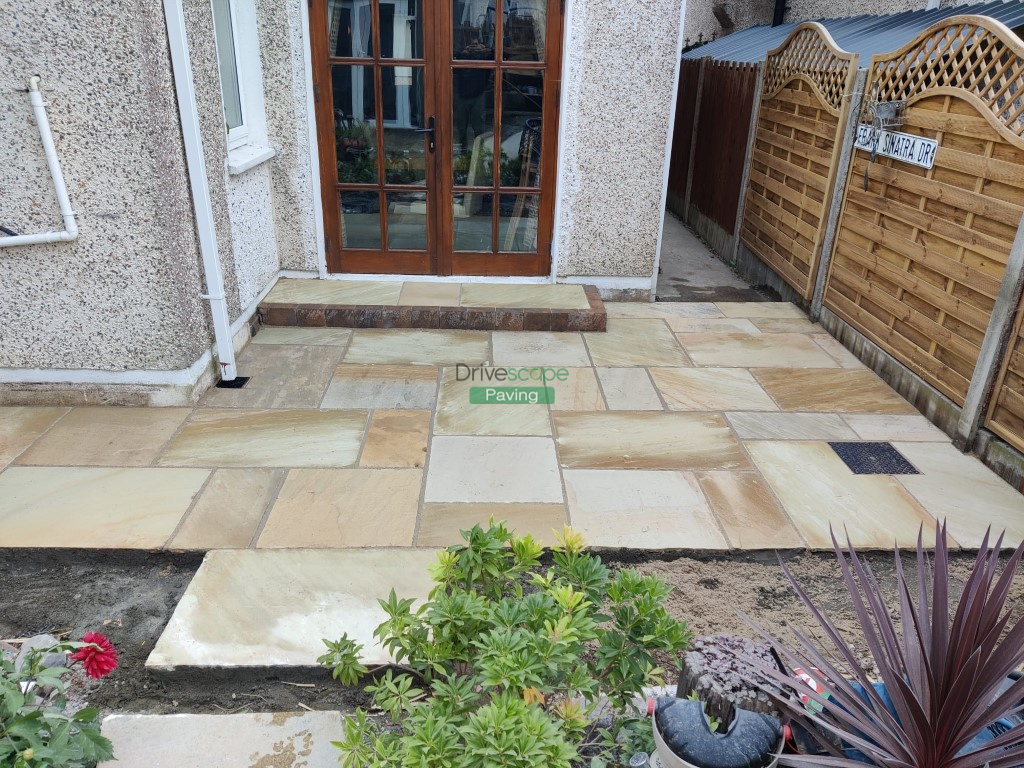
point(993, 346)
point(693, 137)
point(749, 152)
point(838, 193)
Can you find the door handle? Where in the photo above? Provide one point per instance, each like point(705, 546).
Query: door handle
point(429, 129)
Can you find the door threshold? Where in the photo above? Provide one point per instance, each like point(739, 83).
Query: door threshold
point(512, 280)
point(374, 304)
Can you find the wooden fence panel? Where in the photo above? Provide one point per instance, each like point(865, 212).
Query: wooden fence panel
point(796, 153)
point(920, 254)
point(727, 99)
point(682, 136)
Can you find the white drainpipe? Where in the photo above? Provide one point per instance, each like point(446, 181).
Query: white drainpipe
point(70, 231)
point(181, 62)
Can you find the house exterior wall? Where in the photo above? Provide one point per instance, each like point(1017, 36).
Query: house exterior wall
point(285, 76)
point(701, 23)
point(125, 295)
point(619, 80)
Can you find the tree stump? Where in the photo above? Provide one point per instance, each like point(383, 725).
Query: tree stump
point(715, 671)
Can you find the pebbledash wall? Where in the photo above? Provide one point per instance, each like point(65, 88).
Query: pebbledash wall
point(117, 316)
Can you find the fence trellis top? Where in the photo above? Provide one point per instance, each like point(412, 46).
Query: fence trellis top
point(972, 57)
point(810, 54)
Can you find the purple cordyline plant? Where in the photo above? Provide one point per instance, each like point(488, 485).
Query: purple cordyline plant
point(944, 677)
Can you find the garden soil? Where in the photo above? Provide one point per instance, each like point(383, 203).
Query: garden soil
point(130, 597)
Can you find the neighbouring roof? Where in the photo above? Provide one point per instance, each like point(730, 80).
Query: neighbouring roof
point(866, 35)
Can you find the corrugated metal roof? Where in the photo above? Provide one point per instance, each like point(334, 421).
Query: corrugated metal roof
point(866, 35)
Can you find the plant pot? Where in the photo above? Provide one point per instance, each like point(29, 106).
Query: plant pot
point(705, 742)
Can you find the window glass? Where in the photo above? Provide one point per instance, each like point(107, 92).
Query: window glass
point(225, 37)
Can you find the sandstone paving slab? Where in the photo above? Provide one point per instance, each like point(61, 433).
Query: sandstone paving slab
point(579, 391)
point(304, 291)
point(441, 524)
point(260, 608)
point(964, 492)
point(344, 508)
point(831, 391)
point(281, 376)
point(762, 350)
point(425, 294)
point(641, 509)
point(711, 389)
point(20, 426)
point(790, 426)
point(402, 346)
point(485, 470)
point(456, 415)
point(748, 511)
point(629, 389)
point(759, 309)
point(106, 437)
point(893, 426)
point(838, 352)
point(539, 348)
point(665, 309)
point(710, 325)
point(310, 337)
point(382, 386)
point(818, 490)
point(224, 437)
point(647, 440)
point(108, 507)
point(396, 438)
point(229, 510)
point(561, 296)
point(631, 343)
point(252, 740)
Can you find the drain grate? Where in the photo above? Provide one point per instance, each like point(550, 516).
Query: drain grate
point(873, 459)
point(236, 383)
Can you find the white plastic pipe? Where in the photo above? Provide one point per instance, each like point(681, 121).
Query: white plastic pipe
point(181, 62)
point(70, 231)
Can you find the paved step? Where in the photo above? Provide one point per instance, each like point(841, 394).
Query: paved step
point(450, 306)
point(262, 608)
point(279, 740)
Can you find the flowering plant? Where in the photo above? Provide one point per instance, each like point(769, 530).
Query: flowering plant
point(35, 731)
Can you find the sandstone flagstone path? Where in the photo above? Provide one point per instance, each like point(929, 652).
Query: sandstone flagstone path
point(684, 426)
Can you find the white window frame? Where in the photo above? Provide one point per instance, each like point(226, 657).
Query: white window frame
point(247, 144)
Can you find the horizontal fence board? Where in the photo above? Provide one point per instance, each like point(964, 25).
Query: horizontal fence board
point(920, 255)
point(954, 270)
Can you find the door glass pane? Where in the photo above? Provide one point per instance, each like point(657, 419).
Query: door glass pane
point(522, 107)
point(360, 220)
point(349, 29)
point(524, 30)
point(472, 218)
point(401, 29)
point(355, 130)
point(405, 150)
point(407, 221)
point(473, 29)
point(517, 223)
point(472, 127)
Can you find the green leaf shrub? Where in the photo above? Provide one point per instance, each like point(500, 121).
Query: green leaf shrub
point(35, 732)
point(508, 662)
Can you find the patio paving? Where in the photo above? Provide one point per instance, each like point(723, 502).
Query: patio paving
point(684, 426)
point(263, 740)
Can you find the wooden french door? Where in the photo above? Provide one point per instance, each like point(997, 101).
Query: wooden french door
point(437, 123)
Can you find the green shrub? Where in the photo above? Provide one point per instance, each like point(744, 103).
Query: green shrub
point(35, 732)
point(507, 661)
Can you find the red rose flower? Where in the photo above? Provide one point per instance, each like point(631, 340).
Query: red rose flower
point(99, 657)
